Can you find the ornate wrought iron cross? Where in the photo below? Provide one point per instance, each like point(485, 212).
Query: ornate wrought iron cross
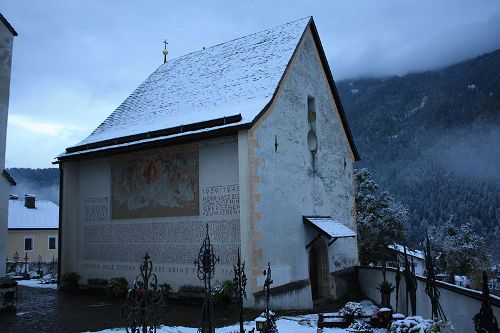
point(398, 281)
point(411, 286)
point(39, 267)
point(484, 320)
point(240, 283)
point(431, 288)
point(15, 257)
point(206, 270)
point(26, 263)
point(141, 310)
point(270, 326)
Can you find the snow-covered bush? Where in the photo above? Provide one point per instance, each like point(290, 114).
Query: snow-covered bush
point(418, 324)
point(223, 291)
point(351, 310)
point(360, 326)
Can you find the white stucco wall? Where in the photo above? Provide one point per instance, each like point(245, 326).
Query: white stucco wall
point(162, 237)
point(284, 187)
point(6, 42)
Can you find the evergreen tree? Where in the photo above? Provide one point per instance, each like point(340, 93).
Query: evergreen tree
point(462, 249)
point(380, 219)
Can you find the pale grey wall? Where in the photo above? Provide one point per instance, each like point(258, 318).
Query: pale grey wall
point(87, 179)
point(288, 189)
point(6, 41)
point(457, 307)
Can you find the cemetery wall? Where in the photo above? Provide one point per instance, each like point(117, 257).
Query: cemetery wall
point(288, 181)
point(115, 209)
point(459, 304)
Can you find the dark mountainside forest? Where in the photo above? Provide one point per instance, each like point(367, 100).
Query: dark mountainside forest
point(432, 140)
point(43, 183)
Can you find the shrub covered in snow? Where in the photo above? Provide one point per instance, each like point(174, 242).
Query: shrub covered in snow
point(359, 326)
point(419, 325)
point(351, 310)
point(223, 291)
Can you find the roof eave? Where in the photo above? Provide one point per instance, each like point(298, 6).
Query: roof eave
point(8, 25)
point(135, 146)
point(333, 88)
point(9, 178)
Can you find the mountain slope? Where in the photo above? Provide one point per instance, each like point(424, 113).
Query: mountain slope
point(433, 140)
point(43, 183)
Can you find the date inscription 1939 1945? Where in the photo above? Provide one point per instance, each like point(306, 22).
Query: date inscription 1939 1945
point(221, 200)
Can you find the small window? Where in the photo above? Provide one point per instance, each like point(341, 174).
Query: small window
point(28, 243)
point(311, 110)
point(52, 243)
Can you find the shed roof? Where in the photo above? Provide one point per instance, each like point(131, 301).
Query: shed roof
point(224, 86)
point(329, 227)
point(44, 216)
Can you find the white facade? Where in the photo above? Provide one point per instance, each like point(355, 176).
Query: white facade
point(96, 245)
point(7, 34)
point(287, 186)
point(279, 180)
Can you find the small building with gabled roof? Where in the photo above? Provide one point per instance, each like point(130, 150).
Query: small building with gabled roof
point(33, 229)
point(247, 136)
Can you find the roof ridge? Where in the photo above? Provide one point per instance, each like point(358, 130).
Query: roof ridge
point(234, 39)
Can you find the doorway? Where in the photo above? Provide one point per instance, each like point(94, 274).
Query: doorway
point(318, 270)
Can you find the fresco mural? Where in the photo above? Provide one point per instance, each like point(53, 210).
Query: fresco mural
point(157, 183)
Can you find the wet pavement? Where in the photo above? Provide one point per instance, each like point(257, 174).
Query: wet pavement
point(49, 310)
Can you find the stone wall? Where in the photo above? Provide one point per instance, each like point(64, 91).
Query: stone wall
point(459, 304)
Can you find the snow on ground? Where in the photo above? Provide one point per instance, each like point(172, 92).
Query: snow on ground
point(36, 284)
point(286, 324)
point(296, 324)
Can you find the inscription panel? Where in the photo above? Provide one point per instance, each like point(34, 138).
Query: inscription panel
point(221, 200)
point(95, 209)
point(175, 242)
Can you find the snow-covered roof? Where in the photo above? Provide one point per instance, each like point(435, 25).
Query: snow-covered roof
point(44, 216)
point(236, 77)
point(401, 249)
point(329, 227)
point(222, 87)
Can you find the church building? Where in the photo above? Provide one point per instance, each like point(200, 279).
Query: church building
point(247, 136)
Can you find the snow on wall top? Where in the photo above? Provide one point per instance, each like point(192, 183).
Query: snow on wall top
point(236, 77)
point(401, 249)
point(45, 215)
point(333, 228)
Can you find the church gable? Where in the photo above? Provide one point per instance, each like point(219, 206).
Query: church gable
point(301, 163)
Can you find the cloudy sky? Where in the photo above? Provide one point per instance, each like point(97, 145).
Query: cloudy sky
point(75, 61)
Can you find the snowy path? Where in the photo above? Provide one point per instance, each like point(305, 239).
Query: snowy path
point(286, 324)
point(36, 284)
